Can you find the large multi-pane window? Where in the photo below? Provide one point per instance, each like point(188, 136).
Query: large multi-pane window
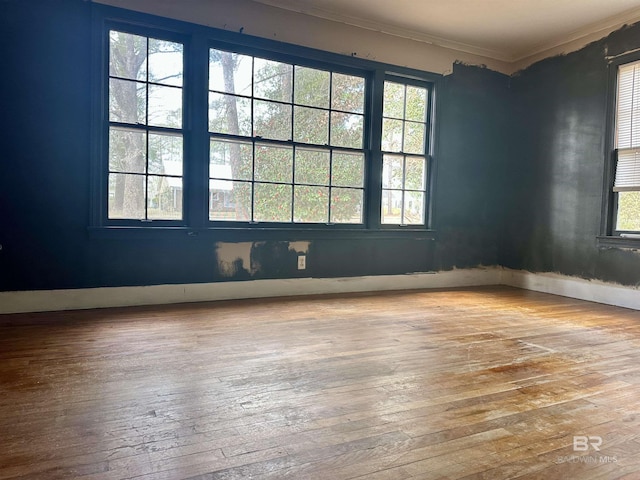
point(145, 146)
point(286, 142)
point(201, 134)
point(404, 161)
point(627, 137)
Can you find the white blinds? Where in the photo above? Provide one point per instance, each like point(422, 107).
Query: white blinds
point(628, 128)
point(627, 170)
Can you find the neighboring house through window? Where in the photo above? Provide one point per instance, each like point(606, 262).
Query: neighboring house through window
point(288, 138)
point(287, 141)
point(145, 147)
point(404, 145)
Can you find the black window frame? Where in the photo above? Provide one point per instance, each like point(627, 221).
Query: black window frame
point(609, 235)
point(428, 153)
point(197, 41)
point(310, 63)
point(150, 33)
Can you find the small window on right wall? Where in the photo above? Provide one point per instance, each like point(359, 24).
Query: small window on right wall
point(626, 184)
point(405, 140)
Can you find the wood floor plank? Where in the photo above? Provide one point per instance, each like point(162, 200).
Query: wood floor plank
point(478, 383)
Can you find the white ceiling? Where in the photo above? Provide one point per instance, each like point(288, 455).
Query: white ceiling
point(507, 30)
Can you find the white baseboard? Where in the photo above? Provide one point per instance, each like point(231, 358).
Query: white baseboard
point(566, 286)
point(75, 299)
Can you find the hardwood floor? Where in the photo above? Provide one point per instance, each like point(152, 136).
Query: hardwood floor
point(485, 383)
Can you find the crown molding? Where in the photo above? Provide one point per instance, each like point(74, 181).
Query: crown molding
point(581, 36)
point(584, 35)
point(298, 7)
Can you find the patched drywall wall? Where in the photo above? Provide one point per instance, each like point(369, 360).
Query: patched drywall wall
point(45, 236)
point(258, 259)
point(556, 176)
point(473, 153)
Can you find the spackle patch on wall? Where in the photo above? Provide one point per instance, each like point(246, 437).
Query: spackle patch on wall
point(254, 259)
point(233, 258)
point(300, 247)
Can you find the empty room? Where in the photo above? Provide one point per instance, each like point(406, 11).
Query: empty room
point(320, 239)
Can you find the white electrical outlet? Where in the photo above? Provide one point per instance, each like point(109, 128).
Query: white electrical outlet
point(302, 262)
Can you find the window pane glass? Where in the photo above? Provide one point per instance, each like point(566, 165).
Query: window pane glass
point(126, 196)
point(165, 62)
point(127, 56)
point(628, 211)
point(312, 166)
point(127, 150)
point(165, 154)
point(347, 93)
point(346, 205)
point(393, 100)
point(164, 198)
point(272, 203)
point(231, 160)
point(127, 102)
point(404, 176)
point(229, 114)
point(413, 208)
point(346, 130)
point(391, 135)
point(147, 91)
point(274, 164)
point(347, 169)
point(391, 206)
point(414, 173)
point(413, 137)
point(392, 171)
point(272, 120)
point(272, 80)
point(229, 201)
point(311, 125)
point(311, 87)
point(311, 204)
point(230, 72)
point(165, 106)
point(416, 104)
